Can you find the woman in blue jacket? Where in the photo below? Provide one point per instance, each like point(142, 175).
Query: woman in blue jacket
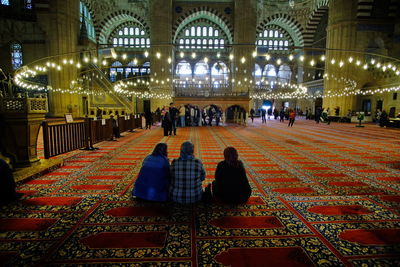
point(154, 176)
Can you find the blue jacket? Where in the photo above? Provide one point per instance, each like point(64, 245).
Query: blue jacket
point(153, 180)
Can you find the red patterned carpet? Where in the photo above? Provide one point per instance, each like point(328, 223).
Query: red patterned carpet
point(323, 195)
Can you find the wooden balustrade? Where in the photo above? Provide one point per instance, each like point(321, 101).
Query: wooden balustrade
point(60, 137)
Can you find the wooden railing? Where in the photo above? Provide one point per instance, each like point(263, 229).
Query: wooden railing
point(60, 137)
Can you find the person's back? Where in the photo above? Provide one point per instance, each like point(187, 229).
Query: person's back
point(7, 184)
point(187, 174)
point(154, 176)
point(231, 184)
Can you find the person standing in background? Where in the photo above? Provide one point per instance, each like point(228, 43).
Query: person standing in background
point(182, 115)
point(149, 119)
point(252, 115)
point(173, 114)
point(282, 115)
point(292, 116)
point(263, 113)
point(166, 121)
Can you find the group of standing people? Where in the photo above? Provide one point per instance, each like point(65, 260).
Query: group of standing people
point(181, 182)
point(289, 114)
point(188, 115)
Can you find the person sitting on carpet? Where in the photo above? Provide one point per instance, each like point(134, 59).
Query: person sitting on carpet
point(187, 174)
point(7, 184)
point(231, 184)
point(154, 176)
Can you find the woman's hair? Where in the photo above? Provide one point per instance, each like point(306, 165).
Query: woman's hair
point(231, 156)
point(160, 150)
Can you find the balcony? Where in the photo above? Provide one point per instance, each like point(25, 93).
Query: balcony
point(208, 91)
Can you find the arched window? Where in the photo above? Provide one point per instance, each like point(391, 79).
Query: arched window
point(257, 73)
point(219, 73)
point(274, 39)
point(28, 4)
point(201, 35)
point(132, 36)
point(5, 2)
point(86, 17)
point(201, 70)
point(183, 70)
point(284, 73)
point(145, 68)
point(117, 68)
point(131, 70)
point(16, 55)
point(270, 74)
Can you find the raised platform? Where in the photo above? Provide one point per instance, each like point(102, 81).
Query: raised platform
point(44, 166)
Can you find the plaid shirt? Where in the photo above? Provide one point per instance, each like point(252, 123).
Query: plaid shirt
point(186, 178)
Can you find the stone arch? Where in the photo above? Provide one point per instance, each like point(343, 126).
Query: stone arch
point(278, 28)
point(229, 111)
point(203, 12)
point(321, 3)
point(313, 22)
point(115, 19)
point(287, 23)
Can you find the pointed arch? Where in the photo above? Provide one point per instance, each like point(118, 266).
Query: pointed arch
point(286, 22)
point(203, 13)
point(114, 20)
point(312, 25)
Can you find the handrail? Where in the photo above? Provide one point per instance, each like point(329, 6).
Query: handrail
point(107, 87)
point(62, 137)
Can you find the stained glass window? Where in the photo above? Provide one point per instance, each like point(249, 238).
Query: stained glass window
point(16, 55)
point(85, 17)
point(28, 4)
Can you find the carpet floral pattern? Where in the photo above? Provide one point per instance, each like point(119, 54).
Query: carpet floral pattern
point(323, 195)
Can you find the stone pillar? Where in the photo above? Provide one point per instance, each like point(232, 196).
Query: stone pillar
point(61, 24)
point(244, 40)
point(341, 35)
point(160, 39)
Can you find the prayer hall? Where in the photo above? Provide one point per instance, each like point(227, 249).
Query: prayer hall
point(200, 133)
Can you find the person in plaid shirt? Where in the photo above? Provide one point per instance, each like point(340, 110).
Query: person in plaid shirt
point(187, 174)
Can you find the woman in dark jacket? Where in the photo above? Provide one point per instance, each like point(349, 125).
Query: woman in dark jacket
point(154, 176)
point(231, 184)
point(166, 122)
